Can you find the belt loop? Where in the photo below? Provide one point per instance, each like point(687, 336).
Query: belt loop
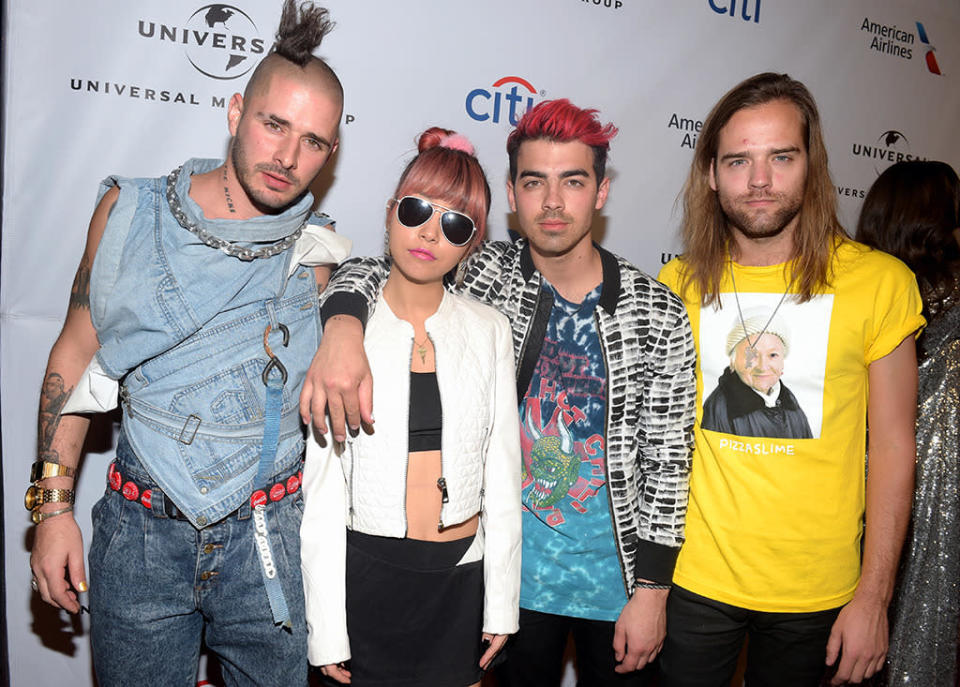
point(244, 511)
point(272, 314)
point(157, 498)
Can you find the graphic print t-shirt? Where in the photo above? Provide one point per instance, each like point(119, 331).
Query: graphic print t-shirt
point(794, 544)
point(570, 563)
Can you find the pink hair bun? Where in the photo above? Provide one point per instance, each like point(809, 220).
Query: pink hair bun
point(457, 142)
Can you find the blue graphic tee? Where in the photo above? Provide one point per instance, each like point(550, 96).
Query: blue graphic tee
point(570, 562)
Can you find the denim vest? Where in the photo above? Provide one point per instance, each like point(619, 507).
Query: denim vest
point(183, 325)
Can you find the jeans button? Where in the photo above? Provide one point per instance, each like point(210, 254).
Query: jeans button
point(208, 548)
point(201, 521)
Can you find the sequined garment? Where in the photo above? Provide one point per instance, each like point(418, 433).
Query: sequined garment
point(926, 607)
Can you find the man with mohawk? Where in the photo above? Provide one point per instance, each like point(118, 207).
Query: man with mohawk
point(197, 292)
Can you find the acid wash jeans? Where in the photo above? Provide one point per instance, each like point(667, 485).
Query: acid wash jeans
point(156, 581)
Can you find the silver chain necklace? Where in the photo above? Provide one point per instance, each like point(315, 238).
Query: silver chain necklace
point(227, 247)
point(751, 355)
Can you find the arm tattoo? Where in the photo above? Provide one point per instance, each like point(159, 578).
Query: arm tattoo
point(53, 397)
point(80, 291)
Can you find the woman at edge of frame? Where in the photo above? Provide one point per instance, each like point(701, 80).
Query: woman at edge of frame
point(411, 529)
point(912, 211)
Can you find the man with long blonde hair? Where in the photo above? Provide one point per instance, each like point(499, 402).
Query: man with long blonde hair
point(774, 526)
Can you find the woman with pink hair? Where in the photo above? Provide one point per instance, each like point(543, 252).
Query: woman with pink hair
point(411, 529)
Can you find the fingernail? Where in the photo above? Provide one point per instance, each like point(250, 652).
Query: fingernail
point(339, 437)
point(82, 586)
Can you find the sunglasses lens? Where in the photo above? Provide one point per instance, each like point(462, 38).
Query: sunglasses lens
point(412, 212)
point(457, 228)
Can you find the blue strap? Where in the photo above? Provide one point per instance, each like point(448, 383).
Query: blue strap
point(268, 452)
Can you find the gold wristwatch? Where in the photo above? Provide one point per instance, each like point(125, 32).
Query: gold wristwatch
point(37, 496)
point(42, 469)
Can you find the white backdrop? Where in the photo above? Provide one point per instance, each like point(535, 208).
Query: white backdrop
point(103, 86)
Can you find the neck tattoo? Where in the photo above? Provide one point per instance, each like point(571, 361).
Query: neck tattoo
point(226, 192)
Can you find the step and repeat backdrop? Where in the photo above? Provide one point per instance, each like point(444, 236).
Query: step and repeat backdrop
point(134, 88)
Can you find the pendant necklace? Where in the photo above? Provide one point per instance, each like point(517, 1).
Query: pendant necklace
point(750, 354)
point(422, 348)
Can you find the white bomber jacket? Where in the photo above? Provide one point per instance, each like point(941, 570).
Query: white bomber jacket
point(365, 489)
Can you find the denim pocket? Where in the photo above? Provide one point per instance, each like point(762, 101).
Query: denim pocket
point(233, 396)
point(107, 518)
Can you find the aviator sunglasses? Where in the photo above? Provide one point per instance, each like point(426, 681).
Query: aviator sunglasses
point(413, 212)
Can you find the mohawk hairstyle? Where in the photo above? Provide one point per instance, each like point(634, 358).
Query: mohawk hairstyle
point(301, 32)
point(560, 120)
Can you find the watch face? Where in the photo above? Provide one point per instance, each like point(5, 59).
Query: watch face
point(33, 497)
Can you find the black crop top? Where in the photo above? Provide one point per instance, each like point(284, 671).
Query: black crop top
point(426, 417)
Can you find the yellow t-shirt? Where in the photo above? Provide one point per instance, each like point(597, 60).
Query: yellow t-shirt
point(777, 486)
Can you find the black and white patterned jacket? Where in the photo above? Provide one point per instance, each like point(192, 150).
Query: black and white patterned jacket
point(651, 388)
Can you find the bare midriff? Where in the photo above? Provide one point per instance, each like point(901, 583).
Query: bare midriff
point(424, 499)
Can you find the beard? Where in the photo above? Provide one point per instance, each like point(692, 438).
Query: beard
point(761, 225)
point(245, 174)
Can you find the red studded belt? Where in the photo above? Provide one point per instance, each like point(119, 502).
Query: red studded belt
point(144, 495)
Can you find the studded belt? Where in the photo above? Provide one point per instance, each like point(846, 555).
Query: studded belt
point(144, 495)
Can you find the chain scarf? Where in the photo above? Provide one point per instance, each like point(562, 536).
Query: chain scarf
point(231, 249)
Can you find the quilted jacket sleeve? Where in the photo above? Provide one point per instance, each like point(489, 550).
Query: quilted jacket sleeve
point(323, 554)
point(501, 506)
point(666, 428)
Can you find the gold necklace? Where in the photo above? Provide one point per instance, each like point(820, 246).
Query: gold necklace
point(422, 348)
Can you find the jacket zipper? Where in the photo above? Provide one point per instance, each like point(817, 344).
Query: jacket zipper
point(442, 481)
point(406, 460)
point(606, 455)
point(353, 471)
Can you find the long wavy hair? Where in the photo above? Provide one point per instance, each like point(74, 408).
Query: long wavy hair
point(705, 233)
point(912, 211)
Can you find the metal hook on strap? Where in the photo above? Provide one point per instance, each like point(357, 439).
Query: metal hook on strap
point(274, 360)
point(274, 364)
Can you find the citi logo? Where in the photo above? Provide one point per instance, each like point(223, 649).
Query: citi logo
point(749, 9)
point(492, 105)
point(932, 65)
point(219, 39)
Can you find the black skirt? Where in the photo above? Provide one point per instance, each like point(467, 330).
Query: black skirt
point(413, 615)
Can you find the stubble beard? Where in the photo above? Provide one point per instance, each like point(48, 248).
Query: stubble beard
point(555, 244)
point(245, 174)
point(761, 226)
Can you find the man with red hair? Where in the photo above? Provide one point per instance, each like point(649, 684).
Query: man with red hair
point(605, 364)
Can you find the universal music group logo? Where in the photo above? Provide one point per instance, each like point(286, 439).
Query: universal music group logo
point(220, 41)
